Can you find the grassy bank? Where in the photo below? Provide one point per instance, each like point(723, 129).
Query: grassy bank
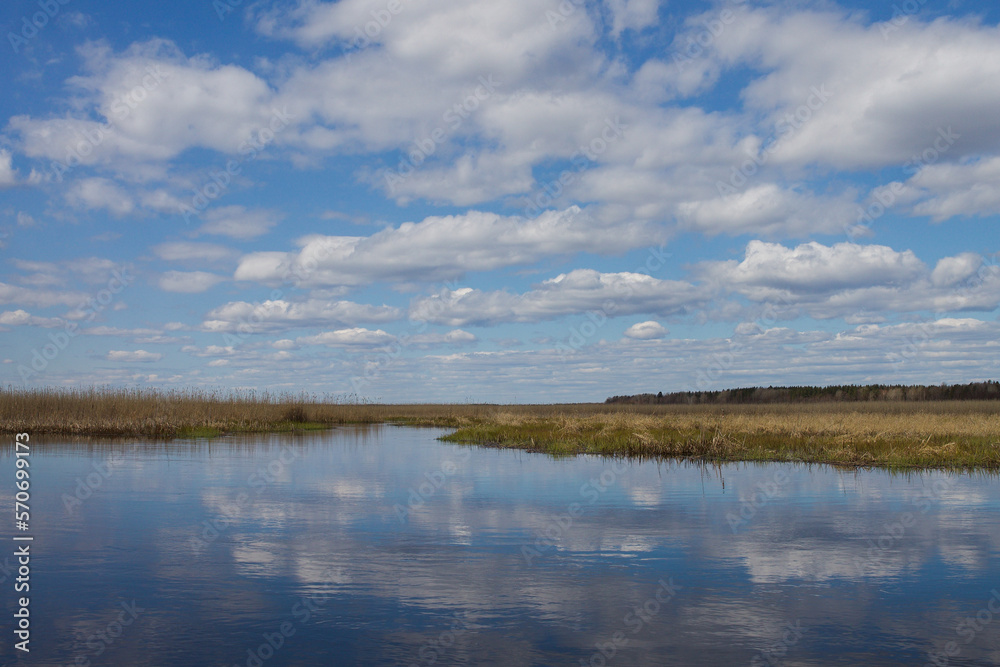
point(899, 434)
point(134, 412)
point(948, 434)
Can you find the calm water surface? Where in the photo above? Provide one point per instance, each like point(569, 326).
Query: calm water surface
point(383, 546)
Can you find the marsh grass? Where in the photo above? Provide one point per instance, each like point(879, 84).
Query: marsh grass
point(894, 434)
point(947, 434)
point(188, 413)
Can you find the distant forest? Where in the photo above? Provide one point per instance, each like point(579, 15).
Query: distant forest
point(974, 391)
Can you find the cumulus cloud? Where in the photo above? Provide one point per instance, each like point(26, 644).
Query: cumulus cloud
point(20, 318)
point(453, 337)
point(602, 154)
point(209, 350)
point(923, 82)
point(154, 102)
point(133, 356)
point(281, 315)
point(581, 290)
point(100, 193)
point(39, 297)
point(238, 222)
point(91, 270)
point(194, 252)
point(851, 280)
point(634, 14)
point(769, 268)
point(188, 282)
point(356, 337)
point(440, 248)
point(951, 271)
point(646, 331)
point(8, 175)
point(768, 209)
point(947, 190)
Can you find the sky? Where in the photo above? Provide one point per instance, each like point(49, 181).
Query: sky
point(527, 201)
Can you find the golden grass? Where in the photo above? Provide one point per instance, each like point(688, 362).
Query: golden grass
point(944, 434)
point(898, 434)
point(142, 412)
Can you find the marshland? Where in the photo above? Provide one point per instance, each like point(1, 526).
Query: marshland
point(891, 433)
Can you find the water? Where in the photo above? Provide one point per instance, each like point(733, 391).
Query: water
point(382, 546)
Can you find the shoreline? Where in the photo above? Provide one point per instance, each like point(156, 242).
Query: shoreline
point(900, 434)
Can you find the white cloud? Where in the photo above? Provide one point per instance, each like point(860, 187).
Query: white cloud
point(133, 356)
point(209, 350)
point(954, 270)
point(770, 268)
point(239, 223)
point(20, 317)
point(92, 270)
point(945, 351)
point(768, 209)
point(39, 297)
point(581, 290)
point(100, 193)
point(856, 281)
point(440, 248)
point(453, 338)
point(634, 14)
point(8, 175)
point(280, 315)
point(193, 252)
point(948, 190)
point(356, 337)
point(188, 281)
point(646, 331)
point(930, 76)
point(154, 103)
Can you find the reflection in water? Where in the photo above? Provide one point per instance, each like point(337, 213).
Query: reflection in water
point(383, 546)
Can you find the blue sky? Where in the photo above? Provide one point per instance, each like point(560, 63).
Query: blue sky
point(407, 200)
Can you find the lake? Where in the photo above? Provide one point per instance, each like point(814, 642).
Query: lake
point(384, 546)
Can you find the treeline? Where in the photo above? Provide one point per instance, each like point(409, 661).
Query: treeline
point(974, 391)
